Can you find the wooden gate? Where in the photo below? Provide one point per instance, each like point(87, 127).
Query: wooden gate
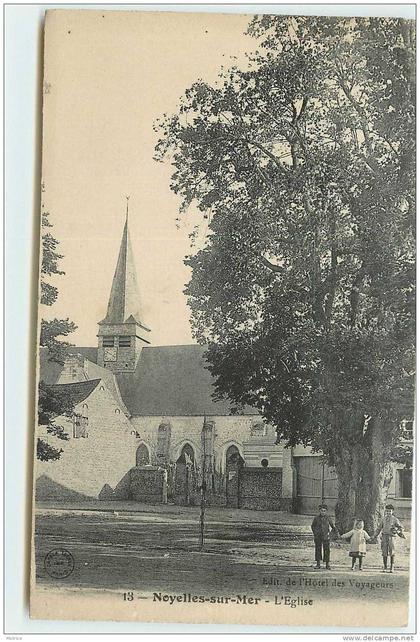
point(315, 483)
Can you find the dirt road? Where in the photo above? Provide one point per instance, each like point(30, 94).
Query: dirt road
point(245, 552)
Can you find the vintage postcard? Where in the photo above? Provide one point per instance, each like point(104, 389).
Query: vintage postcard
point(225, 391)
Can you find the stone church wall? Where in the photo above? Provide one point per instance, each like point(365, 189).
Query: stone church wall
point(229, 430)
point(95, 466)
point(267, 475)
point(105, 464)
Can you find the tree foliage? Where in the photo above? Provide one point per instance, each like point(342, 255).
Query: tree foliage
point(304, 290)
point(51, 333)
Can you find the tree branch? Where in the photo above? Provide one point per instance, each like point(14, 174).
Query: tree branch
point(332, 281)
point(267, 153)
point(363, 123)
point(271, 266)
point(303, 108)
point(355, 294)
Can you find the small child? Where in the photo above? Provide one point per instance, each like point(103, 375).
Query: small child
point(321, 526)
point(358, 538)
point(390, 526)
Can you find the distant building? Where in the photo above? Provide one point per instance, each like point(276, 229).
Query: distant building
point(145, 425)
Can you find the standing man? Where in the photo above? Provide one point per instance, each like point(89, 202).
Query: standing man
point(322, 526)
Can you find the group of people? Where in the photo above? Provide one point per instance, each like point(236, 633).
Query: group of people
point(389, 527)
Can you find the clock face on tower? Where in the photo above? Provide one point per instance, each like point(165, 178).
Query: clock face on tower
point(110, 354)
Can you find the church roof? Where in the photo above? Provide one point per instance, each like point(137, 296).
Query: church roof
point(51, 371)
point(124, 299)
point(172, 381)
point(75, 392)
point(168, 381)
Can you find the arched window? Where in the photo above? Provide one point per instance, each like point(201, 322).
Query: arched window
point(232, 455)
point(142, 455)
point(187, 455)
point(233, 467)
point(184, 481)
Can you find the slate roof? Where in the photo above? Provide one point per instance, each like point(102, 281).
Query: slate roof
point(124, 300)
point(172, 381)
point(50, 371)
point(169, 381)
point(75, 392)
point(88, 353)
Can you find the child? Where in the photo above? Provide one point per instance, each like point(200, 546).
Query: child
point(322, 526)
point(390, 526)
point(358, 540)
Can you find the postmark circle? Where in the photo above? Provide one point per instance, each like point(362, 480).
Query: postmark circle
point(59, 563)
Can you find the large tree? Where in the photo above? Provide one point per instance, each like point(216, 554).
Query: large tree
point(51, 339)
point(304, 290)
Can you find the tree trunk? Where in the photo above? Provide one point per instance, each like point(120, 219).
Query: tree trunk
point(362, 460)
point(346, 500)
point(345, 457)
point(371, 506)
point(375, 477)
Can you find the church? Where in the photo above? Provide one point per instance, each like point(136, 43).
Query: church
point(145, 426)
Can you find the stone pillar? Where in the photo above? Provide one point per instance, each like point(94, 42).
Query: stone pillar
point(207, 453)
point(165, 487)
point(163, 443)
point(287, 477)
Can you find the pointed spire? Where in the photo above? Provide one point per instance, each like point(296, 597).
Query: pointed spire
point(126, 213)
point(124, 299)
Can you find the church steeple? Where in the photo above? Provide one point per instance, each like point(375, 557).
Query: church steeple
point(122, 333)
point(124, 299)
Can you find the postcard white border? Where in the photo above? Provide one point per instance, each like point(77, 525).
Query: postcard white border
point(23, 33)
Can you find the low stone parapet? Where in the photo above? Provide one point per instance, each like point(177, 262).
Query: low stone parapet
point(148, 484)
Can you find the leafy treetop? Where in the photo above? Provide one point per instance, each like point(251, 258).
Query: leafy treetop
point(304, 163)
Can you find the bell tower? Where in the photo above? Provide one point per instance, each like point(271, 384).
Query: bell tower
point(123, 333)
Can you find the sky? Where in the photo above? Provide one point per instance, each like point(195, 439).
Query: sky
point(108, 76)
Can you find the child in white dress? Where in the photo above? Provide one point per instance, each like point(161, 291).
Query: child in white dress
point(358, 538)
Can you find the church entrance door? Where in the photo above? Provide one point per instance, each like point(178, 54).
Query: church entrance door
point(234, 464)
point(184, 477)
